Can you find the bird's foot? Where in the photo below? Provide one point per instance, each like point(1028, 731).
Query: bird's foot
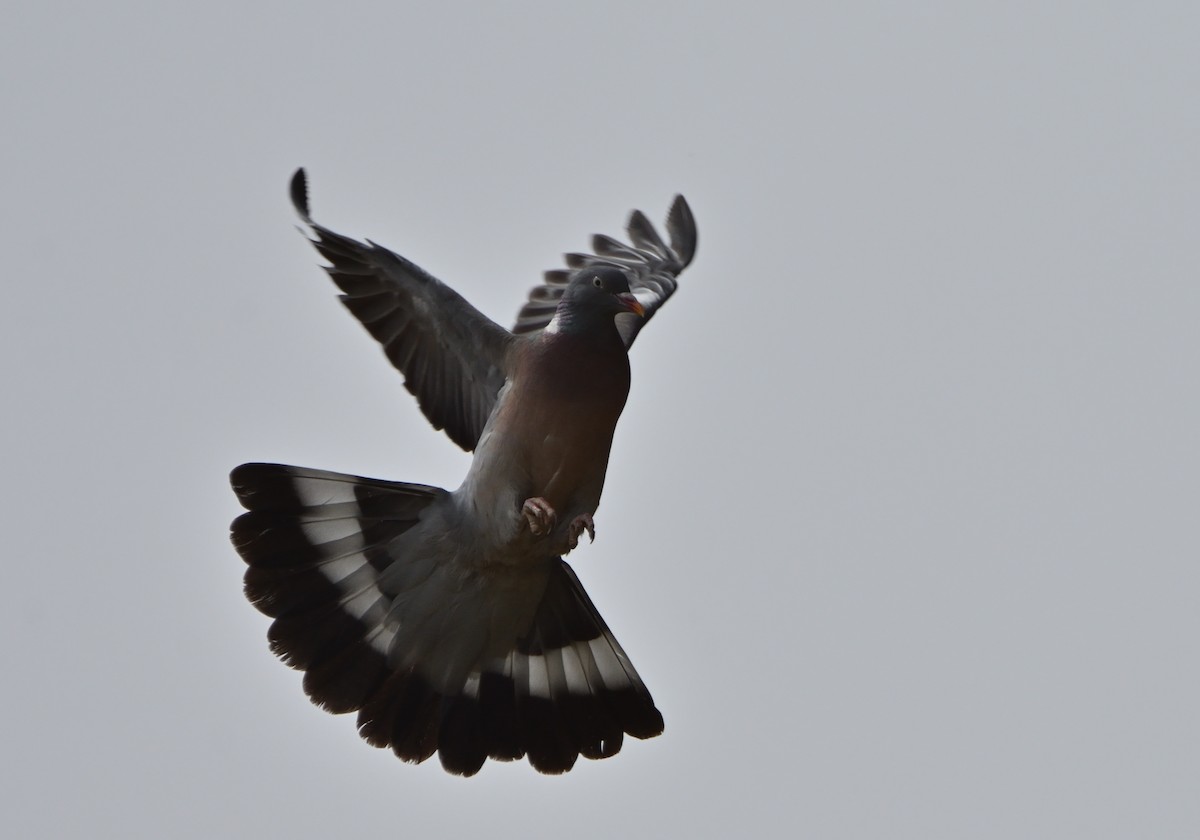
point(582, 522)
point(539, 516)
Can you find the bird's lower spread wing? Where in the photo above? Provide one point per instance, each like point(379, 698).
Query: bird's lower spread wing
point(651, 265)
point(452, 355)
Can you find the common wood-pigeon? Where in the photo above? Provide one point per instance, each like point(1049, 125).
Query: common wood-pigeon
point(448, 619)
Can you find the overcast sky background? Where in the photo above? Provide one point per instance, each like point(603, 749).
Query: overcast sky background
point(901, 523)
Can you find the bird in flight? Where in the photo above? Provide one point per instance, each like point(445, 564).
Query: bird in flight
point(447, 619)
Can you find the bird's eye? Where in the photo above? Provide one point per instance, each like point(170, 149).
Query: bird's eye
point(597, 282)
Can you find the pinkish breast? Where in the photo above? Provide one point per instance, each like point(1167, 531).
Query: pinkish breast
point(567, 404)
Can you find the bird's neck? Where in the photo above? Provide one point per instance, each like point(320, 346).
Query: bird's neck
point(573, 353)
point(582, 327)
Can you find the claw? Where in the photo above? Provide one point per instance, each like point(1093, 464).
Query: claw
point(579, 524)
point(539, 516)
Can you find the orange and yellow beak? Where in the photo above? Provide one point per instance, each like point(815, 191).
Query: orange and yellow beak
point(631, 303)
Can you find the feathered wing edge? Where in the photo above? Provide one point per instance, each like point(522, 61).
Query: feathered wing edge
point(651, 265)
point(452, 356)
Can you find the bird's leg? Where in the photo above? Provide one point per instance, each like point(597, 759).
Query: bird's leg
point(539, 516)
point(582, 522)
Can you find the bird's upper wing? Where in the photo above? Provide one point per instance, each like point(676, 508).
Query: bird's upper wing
point(453, 357)
point(650, 264)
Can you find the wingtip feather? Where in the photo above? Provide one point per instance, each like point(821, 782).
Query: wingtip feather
point(299, 193)
point(681, 227)
point(641, 231)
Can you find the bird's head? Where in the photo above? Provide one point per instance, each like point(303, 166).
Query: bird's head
point(598, 292)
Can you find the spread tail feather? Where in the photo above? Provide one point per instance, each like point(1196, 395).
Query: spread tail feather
point(434, 656)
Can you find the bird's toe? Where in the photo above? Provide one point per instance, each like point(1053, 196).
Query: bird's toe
point(579, 524)
point(539, 516)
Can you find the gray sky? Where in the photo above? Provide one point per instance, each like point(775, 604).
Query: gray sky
point(900, 526)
